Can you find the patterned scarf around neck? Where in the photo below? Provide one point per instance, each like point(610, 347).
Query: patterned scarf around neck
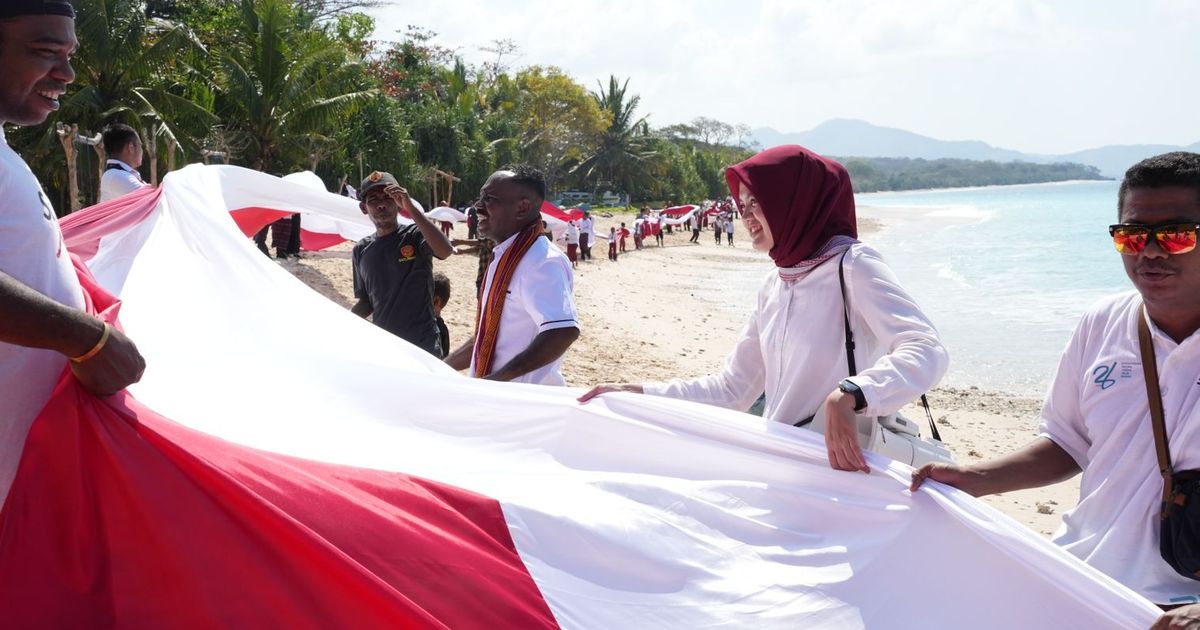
point(491, 305)
point(831, 248)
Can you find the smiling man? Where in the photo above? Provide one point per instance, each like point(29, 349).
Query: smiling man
point(393, 268)
point(43, 327)
point(526, 316)
point(1096, 417)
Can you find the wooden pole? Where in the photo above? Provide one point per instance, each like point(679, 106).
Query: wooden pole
point(152, 150)
point(97, 144)
point(171, 145)
point(66, 135)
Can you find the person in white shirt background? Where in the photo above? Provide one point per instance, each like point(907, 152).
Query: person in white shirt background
point(799, 207)
point(1096, 417)
point(572, 237)
point(124, 150)
point(587, 236)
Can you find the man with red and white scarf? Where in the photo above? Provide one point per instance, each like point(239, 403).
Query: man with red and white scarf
point(526, 314)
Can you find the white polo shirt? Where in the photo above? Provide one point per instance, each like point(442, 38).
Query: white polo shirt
point(1097, 410)
point(119, 179)
point(32, 251)
point(540, 298)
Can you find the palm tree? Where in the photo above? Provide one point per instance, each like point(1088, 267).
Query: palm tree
point(284, 87)
point(623, 148)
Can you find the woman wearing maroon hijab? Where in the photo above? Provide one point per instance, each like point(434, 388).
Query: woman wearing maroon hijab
point(799, 208)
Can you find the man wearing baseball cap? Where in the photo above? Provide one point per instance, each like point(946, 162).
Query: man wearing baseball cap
point(43, 327)
point(393, 268)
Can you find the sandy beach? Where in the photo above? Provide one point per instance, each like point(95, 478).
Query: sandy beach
point(658, 313)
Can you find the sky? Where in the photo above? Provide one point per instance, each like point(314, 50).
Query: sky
point(1036, 76)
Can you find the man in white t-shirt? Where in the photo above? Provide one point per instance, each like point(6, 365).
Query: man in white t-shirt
point(42, 326)
point(1096, 418)
point(527, 312)
point(124, 149)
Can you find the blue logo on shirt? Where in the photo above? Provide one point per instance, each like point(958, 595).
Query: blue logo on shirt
point(1103, 375)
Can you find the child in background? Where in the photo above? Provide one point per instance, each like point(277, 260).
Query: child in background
point(441, 295)
point(572, 236)
point(612, 244)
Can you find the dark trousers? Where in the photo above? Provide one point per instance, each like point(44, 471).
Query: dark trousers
point(585, 247)
point(285, 237)
point(695, 235)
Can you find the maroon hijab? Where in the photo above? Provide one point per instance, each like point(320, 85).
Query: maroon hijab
point(806, 198)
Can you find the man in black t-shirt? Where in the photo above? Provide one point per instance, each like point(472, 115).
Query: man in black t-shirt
point(393, 268)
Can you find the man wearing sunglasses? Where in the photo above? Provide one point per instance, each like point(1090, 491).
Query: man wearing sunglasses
point(1096, 417)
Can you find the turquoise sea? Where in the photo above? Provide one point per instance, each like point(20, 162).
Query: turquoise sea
point(1004, 272)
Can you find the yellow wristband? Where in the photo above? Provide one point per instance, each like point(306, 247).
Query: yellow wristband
point(96, 348)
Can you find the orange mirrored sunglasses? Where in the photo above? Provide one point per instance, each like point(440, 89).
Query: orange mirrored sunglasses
point(1173, 238)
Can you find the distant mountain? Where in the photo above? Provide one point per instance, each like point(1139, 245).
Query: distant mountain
point(860, 138)
point(1113, 160)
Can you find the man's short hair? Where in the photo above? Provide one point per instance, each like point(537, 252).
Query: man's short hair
point(1177, 168)
point(530, 178)
point(117, 136)
point(441, 287)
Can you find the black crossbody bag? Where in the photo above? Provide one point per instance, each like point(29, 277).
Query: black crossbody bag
point(1179, 516)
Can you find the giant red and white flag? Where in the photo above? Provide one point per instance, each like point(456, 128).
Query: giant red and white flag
point(287, 464)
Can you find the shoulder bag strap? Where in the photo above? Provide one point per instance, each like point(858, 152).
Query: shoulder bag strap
point(849, 334)
point(1150, 370)
point(846, 315)
point(850, 343)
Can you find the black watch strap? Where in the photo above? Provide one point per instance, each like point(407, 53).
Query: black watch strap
point(860, 400)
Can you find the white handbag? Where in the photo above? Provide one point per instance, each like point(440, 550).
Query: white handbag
point(892, 436)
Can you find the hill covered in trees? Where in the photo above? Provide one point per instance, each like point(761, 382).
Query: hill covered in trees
point(879, 174)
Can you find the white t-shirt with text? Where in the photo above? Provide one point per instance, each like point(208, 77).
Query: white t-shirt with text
point(1098, 411)
point(33, 252)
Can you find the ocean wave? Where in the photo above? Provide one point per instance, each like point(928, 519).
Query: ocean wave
point(945, 271)
point(967, 211)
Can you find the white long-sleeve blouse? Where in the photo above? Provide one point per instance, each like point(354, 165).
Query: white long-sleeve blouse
point(793, 346)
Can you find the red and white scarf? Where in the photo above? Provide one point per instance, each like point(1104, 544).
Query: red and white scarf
point(491, 305)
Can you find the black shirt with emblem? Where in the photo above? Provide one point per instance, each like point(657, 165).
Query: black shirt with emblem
point(395, 273)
